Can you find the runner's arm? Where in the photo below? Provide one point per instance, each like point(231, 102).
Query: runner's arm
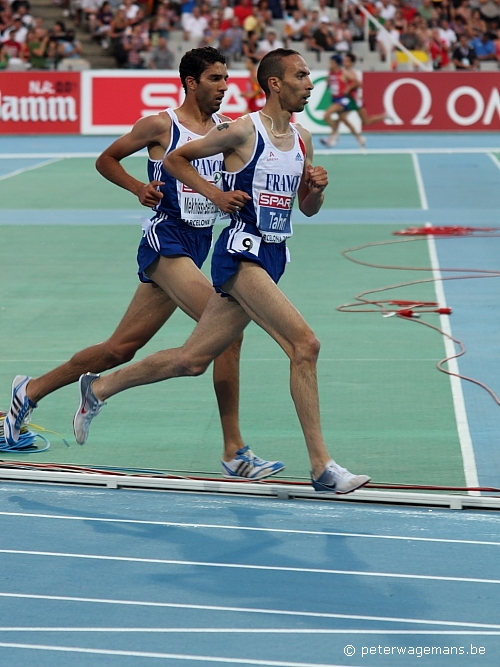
point(353, 82)
point(314, 180)
point(145, 132)
point(223, 138)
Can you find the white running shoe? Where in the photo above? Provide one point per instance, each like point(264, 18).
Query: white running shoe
point(335, 479)
point(90, 406)
point(361, 141)
point(331, 140)
point(246, 465)
point(20, 411)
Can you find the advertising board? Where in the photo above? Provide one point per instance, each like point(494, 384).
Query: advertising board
point(115, 99)
point(40, 103)
point(111, 101)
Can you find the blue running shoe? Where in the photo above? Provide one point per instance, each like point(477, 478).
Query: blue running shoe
point(246, 465)
point(20, 411)
point(335, 479)
point(90, 406)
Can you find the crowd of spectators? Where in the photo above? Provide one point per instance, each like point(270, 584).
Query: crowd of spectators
point(455, 34)
point(25, 42)
point(139, 34)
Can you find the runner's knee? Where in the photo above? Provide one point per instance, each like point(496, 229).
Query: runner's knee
point(118, 352)
point(190, 366)
point(306, 349)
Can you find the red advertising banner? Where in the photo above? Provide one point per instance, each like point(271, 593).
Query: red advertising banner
point(114, 100)
point(39, 102)
point(434, 101)
point(111, 101)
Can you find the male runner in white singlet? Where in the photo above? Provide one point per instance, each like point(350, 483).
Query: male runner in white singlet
point(175, 244)
point(271, 159)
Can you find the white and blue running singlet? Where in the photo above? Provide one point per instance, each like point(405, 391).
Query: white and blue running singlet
point(259, 231)
point(179, 202)
point(272, 178)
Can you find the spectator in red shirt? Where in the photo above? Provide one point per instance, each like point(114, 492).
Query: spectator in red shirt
point(438, 50)
point(243, 10)
point(12, 48)
point(408, 11)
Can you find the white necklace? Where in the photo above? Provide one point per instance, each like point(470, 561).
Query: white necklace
point(288, 133)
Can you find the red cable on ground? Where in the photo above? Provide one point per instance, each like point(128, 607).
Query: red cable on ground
point(429, 230)
point(413, 309)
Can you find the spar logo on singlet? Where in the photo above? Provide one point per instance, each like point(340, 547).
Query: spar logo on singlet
point(274, 211)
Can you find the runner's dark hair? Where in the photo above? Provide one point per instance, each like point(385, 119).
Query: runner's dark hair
point(272, 65)
point(195, 62)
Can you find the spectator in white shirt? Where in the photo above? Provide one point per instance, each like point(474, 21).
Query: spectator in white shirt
point(295, 26)
point(227, 10)
point(195, 25)
point(131, 10)
point(269, 44)
point(343, 38)
point(387, 10)
point(384, 42)
point(27, 19)
point(90, 9)
point(446, 34)
point(326, 11)
point(17, 32)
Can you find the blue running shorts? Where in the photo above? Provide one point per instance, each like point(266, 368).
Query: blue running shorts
point(246, 244)
point(347, 103)
point(172, 238)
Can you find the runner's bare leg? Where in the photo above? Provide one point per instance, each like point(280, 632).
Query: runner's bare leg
point(223, 322)
point(189, 288)
point(370, 120)
point(148, 311)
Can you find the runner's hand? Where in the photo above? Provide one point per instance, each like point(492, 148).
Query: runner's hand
point(316, 178)
point(149, 195)
point(231, 202)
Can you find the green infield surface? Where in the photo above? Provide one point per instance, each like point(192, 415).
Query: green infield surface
point(356, 181)
point(386, 410)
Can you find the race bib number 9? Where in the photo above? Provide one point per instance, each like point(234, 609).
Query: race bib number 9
point(243, 242)
point(274, 212)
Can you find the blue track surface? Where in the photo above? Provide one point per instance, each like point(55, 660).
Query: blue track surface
point(476, 321)
point(74, 143)
point(121, 561)
point(461, 181)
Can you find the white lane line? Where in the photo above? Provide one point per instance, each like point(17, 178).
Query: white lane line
point(494, 159)
point(251, 610)
point(255, 631)
point(466, 446)
point(420, 182)
point(164, 656)
point(285, 531)
point(60, 155)
point(23, 170)
point(320, 151)
point(241, 566)
point(406, 151)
